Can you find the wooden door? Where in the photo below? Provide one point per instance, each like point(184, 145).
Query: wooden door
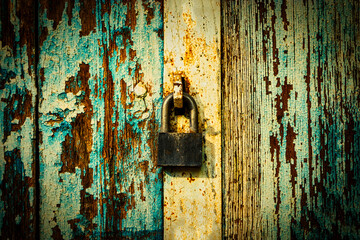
point(291, 119)
point(81, 90)
point(81, 85)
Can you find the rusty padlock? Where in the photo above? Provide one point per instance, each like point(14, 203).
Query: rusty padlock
point(179, 149)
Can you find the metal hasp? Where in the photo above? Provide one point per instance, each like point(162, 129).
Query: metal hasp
point(179, 149)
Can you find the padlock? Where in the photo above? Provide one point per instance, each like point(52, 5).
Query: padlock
point(179, 149)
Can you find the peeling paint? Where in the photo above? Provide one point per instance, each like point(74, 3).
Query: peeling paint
point(291, 84)
point(100, 112)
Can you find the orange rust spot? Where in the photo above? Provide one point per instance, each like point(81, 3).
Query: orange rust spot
point(191, 179)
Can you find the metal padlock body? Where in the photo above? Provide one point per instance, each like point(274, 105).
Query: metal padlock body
point(179, 149)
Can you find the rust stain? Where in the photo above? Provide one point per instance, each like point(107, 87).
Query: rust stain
point(189, 39)
point(191, 179)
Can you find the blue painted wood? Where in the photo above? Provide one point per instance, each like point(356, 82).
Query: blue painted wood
point(17, 103)
point(291, 161)
point(101, 91)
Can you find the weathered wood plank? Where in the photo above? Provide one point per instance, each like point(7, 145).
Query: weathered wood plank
point(101, 70)
point(291, 82)
point(192, 197)
point(17, 114)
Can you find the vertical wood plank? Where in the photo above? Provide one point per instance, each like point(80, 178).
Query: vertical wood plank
point(101, 70)
point(192, 197)
point(291, 132)
point(17, 103)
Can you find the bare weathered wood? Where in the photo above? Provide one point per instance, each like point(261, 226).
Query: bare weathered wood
point(291, 119)
point(101, 71)
point(17, 100)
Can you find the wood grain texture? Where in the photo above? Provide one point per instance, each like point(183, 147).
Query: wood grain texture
point(101, 89)
point(192, 197)
point(17, 103)
point(291, 119)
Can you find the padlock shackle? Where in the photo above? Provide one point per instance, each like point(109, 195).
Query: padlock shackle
point(165, 112)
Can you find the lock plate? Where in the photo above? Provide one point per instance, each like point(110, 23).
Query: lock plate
point(180, 149)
